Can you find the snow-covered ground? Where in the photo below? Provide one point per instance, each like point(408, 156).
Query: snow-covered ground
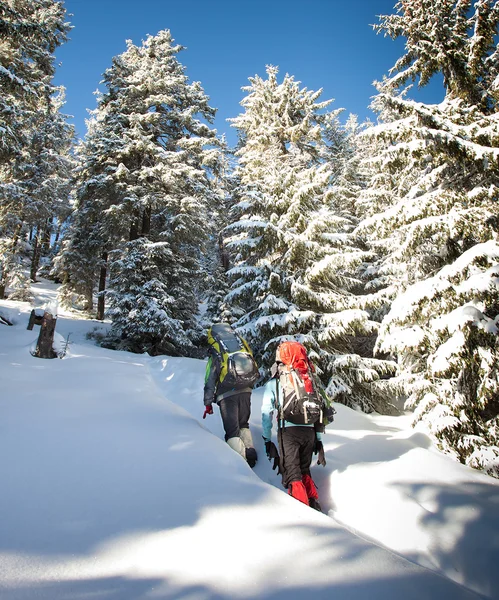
point(114, 487)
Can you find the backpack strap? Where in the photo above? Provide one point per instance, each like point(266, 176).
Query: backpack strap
point(280, 419)
point(280, 428)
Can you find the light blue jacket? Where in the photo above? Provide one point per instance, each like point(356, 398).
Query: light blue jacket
point(269, 405)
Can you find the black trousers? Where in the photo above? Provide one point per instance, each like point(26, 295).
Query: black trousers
point(296, 445)
point(235, 411)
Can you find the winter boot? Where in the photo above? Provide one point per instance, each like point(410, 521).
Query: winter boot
point(311, 489)
point(298, 491)
point(250, 452)
point(236, 443)
point(313, 503)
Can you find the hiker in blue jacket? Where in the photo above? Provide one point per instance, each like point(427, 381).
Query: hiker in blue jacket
point(296, 444)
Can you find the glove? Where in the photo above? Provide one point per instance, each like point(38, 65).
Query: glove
point(208, 410)
point(319, 450)
point(273, 454)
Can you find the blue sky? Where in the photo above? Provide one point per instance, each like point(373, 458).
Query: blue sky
point(327, 44)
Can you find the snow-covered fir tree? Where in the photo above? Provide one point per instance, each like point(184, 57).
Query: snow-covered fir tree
point(431, 217)
point(48, 179)
point(145, 181)
point(35, 138)
point(216, 259)
point(291, 276)
point(280, 140)
point(82, 263)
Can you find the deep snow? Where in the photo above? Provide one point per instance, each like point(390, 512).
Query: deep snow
point(114, 487)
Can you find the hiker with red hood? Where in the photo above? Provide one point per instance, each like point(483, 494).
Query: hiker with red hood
point(300, 414)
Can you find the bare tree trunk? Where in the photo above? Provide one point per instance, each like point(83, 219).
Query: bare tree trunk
point(57, 233)
point(41, 246)
point(15, 237)
point(2, 284)
point(89, 297)
point(146, 221)
point(4, 273)
point(46, 238)
point(102, 286)
point(35, 259)
point(34, 319)
point(224, 255)
point(44, 346)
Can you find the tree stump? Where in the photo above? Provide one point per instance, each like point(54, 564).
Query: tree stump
point(45, 342)
point(35, 318)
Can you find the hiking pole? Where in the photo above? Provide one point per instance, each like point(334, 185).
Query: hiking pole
point(279, 430)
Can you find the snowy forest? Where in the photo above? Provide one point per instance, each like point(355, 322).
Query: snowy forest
point(375, 244)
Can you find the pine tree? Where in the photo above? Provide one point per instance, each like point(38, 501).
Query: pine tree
point(431, 218)
point(291, 276)
point(280, 186)
point(96, 228)
point(443, 329)
point(35, 139)
point(146, 180)
point(31, 31)
point(142, 317)
point(48, 179)
point(216, 261)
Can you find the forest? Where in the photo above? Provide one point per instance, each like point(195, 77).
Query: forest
point(374, 244)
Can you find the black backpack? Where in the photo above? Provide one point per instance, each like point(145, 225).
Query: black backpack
point(301, 404)
point(239, 369)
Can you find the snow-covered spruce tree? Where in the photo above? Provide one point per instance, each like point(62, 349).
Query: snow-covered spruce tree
point(291, 275)
point(144, 316)
point(47, 180)
point(432, 219)
point(152, 186)
point(444, 331)
point(83, 260)
point(34, 137)
point(438, 168)
point(31, 31)
point(216, 259)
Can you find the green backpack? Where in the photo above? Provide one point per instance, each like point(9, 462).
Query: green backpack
point(239, 369)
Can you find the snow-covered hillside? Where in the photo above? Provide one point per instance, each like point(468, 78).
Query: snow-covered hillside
point(113, 487)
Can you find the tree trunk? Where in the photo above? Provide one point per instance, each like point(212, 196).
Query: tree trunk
point(46, 238)
point(44, 346)
point(134, 226)
point(15, 237)
point(35, 259)
point(146, 221)
point(89, 297)
point(57, 234)
point(102, 286)
point(224, 255)
point(35, 318)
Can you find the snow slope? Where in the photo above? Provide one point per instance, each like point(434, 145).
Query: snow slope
point(113, 487)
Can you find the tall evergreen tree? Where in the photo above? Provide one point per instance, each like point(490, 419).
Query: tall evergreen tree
point(96, 228)
point(431, 217)
point(280, 186)
point(146, 184)
point(34, 136)
point(216, 260)
point(289, 277)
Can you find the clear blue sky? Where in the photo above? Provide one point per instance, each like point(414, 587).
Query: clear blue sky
point(327, 44)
